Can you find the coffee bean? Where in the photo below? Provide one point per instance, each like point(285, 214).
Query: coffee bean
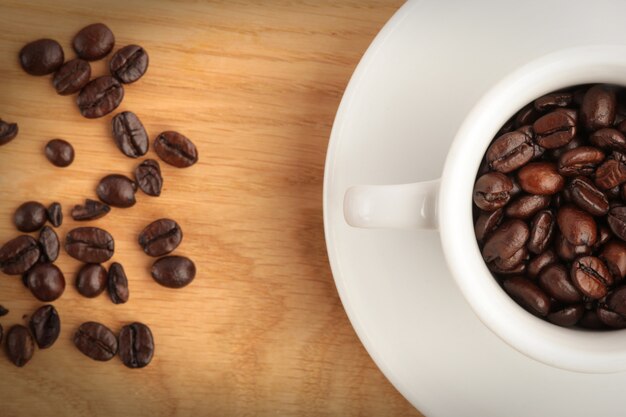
point(3, 311)
point(509, 152)
point(590, 320)
point(566, 316)
point(8, 132)
point(45, 325)
point(91, 280)
point(91, 210)
point(598, 108)
point(20, 346)
point(160, 237)
point(45, 281)
point(616, 301)
point(526, 116)
point(19, 255)
point(614, 255)
point(617, 221)
point(526, 206)
point(528, 295)
point(492, 191)
point(577, 226)
point(48, 244)
point(96, 341)
point(541, 231)
point(610, 318)
point(506, 240)
point(41, 57)
point(30, 216)
point(176, 149)
point(55, 214)
point(117, 191)
point(586, 196)
point(567, 251)
point(93, 42)
point(129, 63)
point(554, 100)
point(555, 281)
point(129, 134)
point(554, 129)
point(610, 174)
point(487, 223)
point(148, 177)
point(71, 77)
point(90, 244)
point(609, 138)
point(591, 276)
point(118, 284)
point(540, 178)
point(518, 258)
point(136, 345)
point(60, 153)
point(557, 153)
point(582, 160)
point(539, 262)
point(604, 235)
point(100, 97)
point(520, 269)
point(174, 271)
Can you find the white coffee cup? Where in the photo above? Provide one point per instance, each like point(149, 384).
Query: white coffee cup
point(446, 204)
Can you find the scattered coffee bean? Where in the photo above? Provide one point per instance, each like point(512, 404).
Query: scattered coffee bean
point(591, 277)
point(45, 325)
point(93, 42)
point(173, 271)
point(528, 295)
point(60, 153)
point(19, 255)
point(129, 63)
point(30, 216)
point(91, 280)
point(72, 76)
point(136, 345)
point(48, 244)
point(117, 191)
point(148, 177)
point(55, 214)
point(91, 210)
point(176, 149)
point(492, 191)
point(90, 244)
point(45, 281)
point(598, 107)
point(8, 132)
point(130, 135)
point(160, 237)
point(100, 97)
point(41, 57)
point(96, 341)
point(540, 178)
point(20, 346)
point(117, 284)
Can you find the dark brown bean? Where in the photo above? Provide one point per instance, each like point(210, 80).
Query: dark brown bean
point(160, 237)
point(48, 244)
point(136, 345)
point(487, 223)
point(616, 301)
point(590, 320)
point(591, 276)
point(567, 251)
point(174, 271)
point(90, 244)
point(506, 240)
point(604, 235)
point(610, 174)
point(8, 132)
point(614, 255)
point(55, 214)
point(20, 346)
point(148, 177)
point(510, 152)
point(554, 100)
point(555, 281)
point(519, 257)
point(609, 138)
point(492, 191)
point(96, 341)
point(540, 178)
point(527, 206)
point(610, 318)
point(528, 295)
point(566, 316)
point(41, 57)
point(117, 191)
point(93, 42)
point(71, 77)
point(557, 153)
point(19, 255)
point(30, 216)
point(91, 210)
point(176, 149)
point(45, 281)
point(130, 136)
point(577, 226)
point(129, 63)
point(554, 129)
point(3, 312)
point(45, 325)
point(617, 221)
point(59, 152)
point(526, 116)
point(100, 97)
point(586, 196)
point(91, 280)
point(598, 107)
point(539, 262)
point(580, 161)
point(118, 284)
point(541, 231)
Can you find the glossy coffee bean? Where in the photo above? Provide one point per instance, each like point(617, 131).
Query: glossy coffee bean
point(598, 108)
point(554, 100)
point(526, 206)
point(148, 177)
point(130, 135)
point(100, 97)
point(91, 280)
point(96, 341)
point(160, 237)
point(117, 191)
point(540, 262)
point(93, 42)
point(48, 244)
point(45, 325)
point(55, 214)
point(510, 152)
point(587, 197)
point(604, 235)
point(71, 77)
point(136, 345)
point(41, 57)
point(540, 178)
point(610, 174)
point(506, 240)
point(19, 255)
point(555, 281)
point(577, 226)
point(568, 252)
point(617, 221)
point(90, 244)
point(176, 149)
point(591, 277)
point(582, 160)
point(509, 264)
point(526, 116)
point(173, 271)
point(91, 210)
point(519, 270)
point(486, 223)
point(590, 320)
point(557, 153)
point(60, 153)
point(541, 231)
point(492, 191)
point(19, 345)
point(45, 281)
point(616, 301)
point(30, 216)
point(610, 318)
point(609, 138)
point(117, 284)
point(8, 132)
point(614, 255)
point(129, 63)
point(528, 295)
point(566, 316)
point(554, 129)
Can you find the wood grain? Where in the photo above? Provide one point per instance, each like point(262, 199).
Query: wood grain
point(261, 331)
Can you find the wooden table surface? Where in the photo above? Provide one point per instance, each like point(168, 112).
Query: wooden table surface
point(261, 330)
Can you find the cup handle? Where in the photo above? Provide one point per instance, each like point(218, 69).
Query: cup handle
point(402, 206)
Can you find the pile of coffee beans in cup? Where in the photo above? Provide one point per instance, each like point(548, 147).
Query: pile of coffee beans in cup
point(33, 257)
point(550, 207)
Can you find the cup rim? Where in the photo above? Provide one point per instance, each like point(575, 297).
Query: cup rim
point(570, 349)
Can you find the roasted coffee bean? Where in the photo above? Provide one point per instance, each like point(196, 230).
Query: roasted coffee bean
point(117, 191)
point(93, 42)
point(608, 138)
point(45, 281)
point(129, 63)
point(100, 97)
point(48, 244)
point(136, 345)
point(528, 295)
point(506, 240)
point(19, 255)
point(60, 153)
point(30, 216)
point(41, 57)
point(526, 116)
point(148, 177)
point(96, 341)
point(90, 244)
point(130, 135)
point(519, 257)
point(541, 231)
point(55, 214)
point(8, 132)
point(554, 129)
point(518, 270)
point(590, 320)
point(487, 223)
point(604, 235)
point(617, 221)
point(614, 255)
point(555, 281)
point(539, 262)
point(577, 226)
point(580, 161)
point(557, 153)
point(616, 301)
point(174, 271)
point(598, 108)
point(510, 152)
point(586, 196)
point(591, 276)
point(567, 251)
point(3, 311)
point(566, 316)
point(554, 100)
point(610, 174)
point(117, 284)
point(160, 237)
point(526, 206)
point(516, 188)
point(91, 280)
point(45, 325)
point(610, 318)
point(540, 178)
point(176, 149)
point(20, 346)
point(71, 77)
point(492, 191)
point(91, 210)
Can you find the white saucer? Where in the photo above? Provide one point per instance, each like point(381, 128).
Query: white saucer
point(407, 98)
